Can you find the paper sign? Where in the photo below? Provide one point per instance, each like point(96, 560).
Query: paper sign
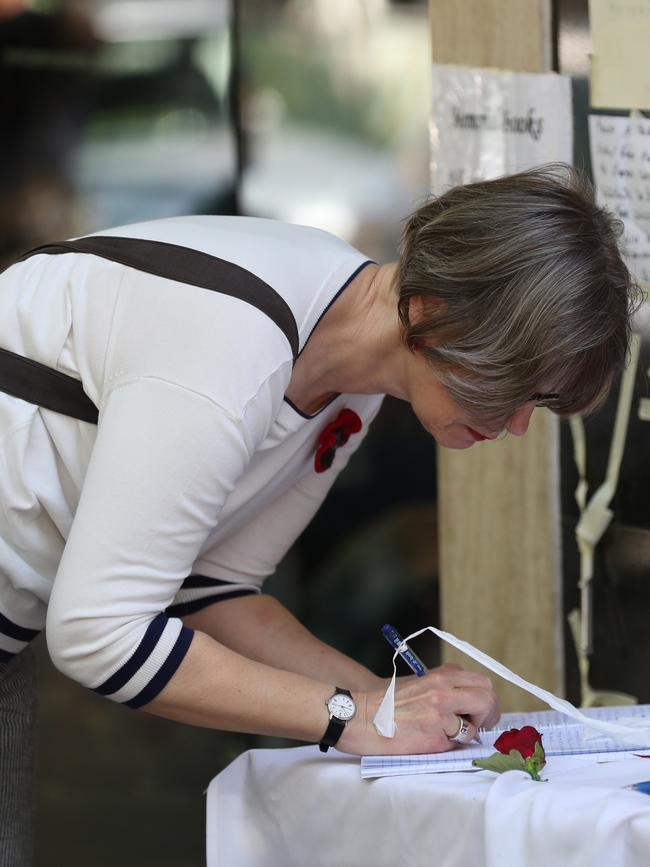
point(620, 158)
point(486, 123)
point(620, 72)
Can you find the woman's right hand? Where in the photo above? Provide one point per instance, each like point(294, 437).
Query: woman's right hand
point(426, 713)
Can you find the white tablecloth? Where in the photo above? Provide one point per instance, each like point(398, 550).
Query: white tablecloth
point(300, 808)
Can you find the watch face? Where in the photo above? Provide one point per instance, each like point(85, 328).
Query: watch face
point(341, 706)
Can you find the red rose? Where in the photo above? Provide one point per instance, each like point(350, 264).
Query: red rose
point(523, 740)
point(519, 750)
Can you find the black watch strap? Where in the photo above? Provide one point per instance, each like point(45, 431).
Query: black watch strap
point(332, 734)
point(335, 727)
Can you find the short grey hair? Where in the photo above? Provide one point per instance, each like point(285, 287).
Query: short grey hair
point(524, 290)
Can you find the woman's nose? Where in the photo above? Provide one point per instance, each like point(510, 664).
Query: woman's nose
point(518, 422)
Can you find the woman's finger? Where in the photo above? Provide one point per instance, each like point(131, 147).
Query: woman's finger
point(466, 701)
point(486, 719)
point(453, 675)
point(491, 719)
point(459, 729)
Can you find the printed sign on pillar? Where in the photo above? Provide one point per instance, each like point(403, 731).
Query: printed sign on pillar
point(486, 123)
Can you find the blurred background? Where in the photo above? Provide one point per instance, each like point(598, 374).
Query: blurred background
point(309, 111)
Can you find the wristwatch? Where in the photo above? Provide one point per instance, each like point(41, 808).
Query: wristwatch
point(342, 708)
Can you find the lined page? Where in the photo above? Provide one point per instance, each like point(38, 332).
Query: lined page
point(560, 736)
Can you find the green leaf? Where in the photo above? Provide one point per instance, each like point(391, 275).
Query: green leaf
point(499, 763)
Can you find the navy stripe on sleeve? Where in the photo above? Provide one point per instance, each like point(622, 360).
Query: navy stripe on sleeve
point(193, 581)
point(180, 609)
point(20, 633)
point(144, 649)
point(167, 670)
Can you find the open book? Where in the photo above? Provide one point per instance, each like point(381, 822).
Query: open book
point(561, 736)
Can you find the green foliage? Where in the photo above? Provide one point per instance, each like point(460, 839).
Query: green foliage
point(499, 763)
point(514, 761)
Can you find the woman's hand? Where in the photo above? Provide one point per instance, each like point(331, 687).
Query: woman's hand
point(426, 713)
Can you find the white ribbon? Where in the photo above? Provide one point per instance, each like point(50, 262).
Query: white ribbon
point(634, 731)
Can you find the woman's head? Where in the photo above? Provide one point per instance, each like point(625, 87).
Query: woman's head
point(514, 288)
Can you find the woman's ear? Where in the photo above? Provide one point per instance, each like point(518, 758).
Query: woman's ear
point(417, 309)
point(423, 307)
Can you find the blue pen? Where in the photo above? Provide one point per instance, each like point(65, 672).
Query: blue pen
point(396, 641)
point(643, 787)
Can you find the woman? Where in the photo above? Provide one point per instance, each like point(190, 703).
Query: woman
point(140, 542)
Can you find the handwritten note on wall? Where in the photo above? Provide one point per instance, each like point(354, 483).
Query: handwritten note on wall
point(620, 156)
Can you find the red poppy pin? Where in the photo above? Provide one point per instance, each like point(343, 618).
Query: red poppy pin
point(334, 435)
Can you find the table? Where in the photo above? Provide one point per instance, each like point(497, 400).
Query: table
point(299, 808)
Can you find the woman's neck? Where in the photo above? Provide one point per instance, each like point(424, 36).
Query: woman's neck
point(356, 346)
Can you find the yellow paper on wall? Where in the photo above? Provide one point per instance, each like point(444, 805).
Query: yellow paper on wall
point(620, 63)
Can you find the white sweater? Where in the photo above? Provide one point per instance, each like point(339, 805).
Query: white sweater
point(198, 465)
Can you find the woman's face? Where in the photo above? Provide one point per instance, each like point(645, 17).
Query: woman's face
point(447, 422)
